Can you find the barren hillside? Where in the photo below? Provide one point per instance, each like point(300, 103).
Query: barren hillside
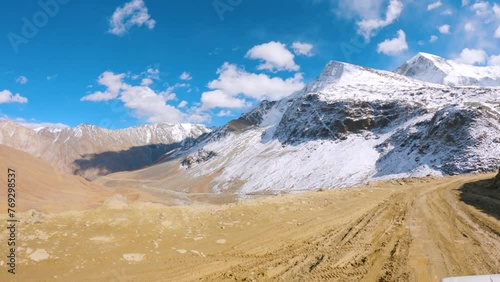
point(402, 230)
point(42, 187)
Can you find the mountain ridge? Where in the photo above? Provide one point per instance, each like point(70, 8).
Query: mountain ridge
point(350, 126)
point(67, 148)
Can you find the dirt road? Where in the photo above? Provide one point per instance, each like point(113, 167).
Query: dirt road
point(402, 230)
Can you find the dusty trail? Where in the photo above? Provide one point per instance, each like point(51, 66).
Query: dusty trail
point(408, 230)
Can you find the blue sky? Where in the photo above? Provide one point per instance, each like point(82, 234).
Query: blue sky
point(121, 63)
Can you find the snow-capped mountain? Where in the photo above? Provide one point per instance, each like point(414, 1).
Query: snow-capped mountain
point(349, 126)
point(90, 151)
point(434, 69)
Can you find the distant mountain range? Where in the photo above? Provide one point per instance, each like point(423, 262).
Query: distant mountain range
point(350, 126)
point(90, 151)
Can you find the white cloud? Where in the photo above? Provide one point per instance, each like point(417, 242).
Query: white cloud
point(465, 3)
point(234, 81)
point(364, 9)
point(224, 113)
point(7, 97)
point(169, 95)
point(433, 38)
point(434, 5)
point(494, 60)
point(496, 9)
point(148, 104)
point(394, 46)
point(152, 73)
point(472, 56)
point(99, 96)
point(113, 83)
point(146, 81)
point(476, 31)
point(132, 13)
point(182, 104)
point(51, 77)
point(220, 99)
point(142, 100)
point(199, 118)
point(300, 48)
point(497, 32)
point(181, 85)
point(447, 12)
point(481, 8)
point(185, 76)
point(214, 52)
point(274, 56)
point(22, 80)
point(368, 26)
point(444, 29)
point(469, 27)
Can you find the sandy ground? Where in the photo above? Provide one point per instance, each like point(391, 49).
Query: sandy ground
point(404, 230)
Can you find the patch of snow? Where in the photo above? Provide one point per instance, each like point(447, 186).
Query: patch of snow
point(256, 159)
point(434, 69)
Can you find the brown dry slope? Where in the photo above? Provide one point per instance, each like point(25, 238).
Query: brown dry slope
point(42, 187)
point(410, 230)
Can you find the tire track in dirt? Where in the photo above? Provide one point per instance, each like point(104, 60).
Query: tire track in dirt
point(347, 252)
point(423, 234)
point(448, 239)
point(404, 230)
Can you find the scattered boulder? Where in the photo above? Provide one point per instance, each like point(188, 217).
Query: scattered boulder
point(167, 223)
point(221, 241)
point(199, 157)
point(102, 239)
point(39, 255)
point(117, 202)
point(134, 257)
point(33, 217)
point(162, 215)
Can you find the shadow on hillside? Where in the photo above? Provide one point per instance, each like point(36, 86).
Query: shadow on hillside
point(483, 196)
point(92, 166)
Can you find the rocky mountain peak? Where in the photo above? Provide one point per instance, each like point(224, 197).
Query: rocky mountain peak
point(435, 69)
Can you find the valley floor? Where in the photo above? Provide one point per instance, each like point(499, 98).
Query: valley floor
point(401, 230)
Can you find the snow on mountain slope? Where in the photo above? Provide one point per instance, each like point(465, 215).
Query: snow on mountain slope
point(91, 151)
point(338, 74)
point(350, 126)
point(434, 69)
point(453, 140)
